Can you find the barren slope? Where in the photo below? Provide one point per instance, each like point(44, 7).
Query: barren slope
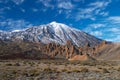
point(110, 52)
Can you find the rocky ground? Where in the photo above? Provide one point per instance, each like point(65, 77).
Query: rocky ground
point(59, 70)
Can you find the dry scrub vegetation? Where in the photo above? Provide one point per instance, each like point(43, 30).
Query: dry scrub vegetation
point(59, 70)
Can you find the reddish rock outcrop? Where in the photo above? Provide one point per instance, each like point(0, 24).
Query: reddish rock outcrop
point(83, 57)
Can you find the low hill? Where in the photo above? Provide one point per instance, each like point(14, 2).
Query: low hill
point(109, 52)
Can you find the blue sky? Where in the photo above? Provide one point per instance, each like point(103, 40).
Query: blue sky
point(100, 18)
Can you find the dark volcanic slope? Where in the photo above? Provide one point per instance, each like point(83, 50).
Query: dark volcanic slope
point(22, 50)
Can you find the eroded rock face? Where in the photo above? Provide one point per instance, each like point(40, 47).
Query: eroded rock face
point(86, 52)
point(67, 51)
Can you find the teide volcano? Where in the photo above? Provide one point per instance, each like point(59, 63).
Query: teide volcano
point(52, 32)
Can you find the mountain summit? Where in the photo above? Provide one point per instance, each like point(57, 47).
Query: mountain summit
point(52, 32)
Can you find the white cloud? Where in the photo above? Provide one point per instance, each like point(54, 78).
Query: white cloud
point(114, 29)
point(23, 10)
point(3, 10)
point(84, 16)
point(96, 25)
point(86, 10)
point(1, 17)
point(100, 4)
point(96, 33)
point(62, 6)
point(65, 5)
point(114, 39)
point(34, 9)
point(60, 11)
point(92, 9)
point(78, 0)
point(104, 13)
point(46, 3)
point(18, 2)
point(4, 1)
point(108, 29)
point(114, 19)
point(14, 24)
point(72, 10)
point(94, 29)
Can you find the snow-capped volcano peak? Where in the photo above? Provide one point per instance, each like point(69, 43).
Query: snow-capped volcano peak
point(55, 24)
point(53, 32)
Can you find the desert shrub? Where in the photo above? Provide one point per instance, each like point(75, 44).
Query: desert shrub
point(17, 64)
point(14, 72)
point(31, 63)
point(9, 64)
point(77, 71)
point(31, 73)
point(89, 63)
point(24, 62)
point(118, 69)
point(84, 70)
point(64, 70)
point(50, 70)
point(105, 70)
point(34, 73)
point(99, 67)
